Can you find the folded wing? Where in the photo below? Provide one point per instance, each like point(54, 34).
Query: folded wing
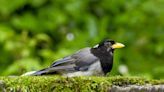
point(80, 61)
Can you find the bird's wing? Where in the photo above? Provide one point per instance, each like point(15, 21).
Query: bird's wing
point(80, 61)
point(84, 58)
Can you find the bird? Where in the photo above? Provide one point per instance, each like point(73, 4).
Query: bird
point(89, 61)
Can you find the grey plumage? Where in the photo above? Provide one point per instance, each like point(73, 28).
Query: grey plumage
point(80, 61)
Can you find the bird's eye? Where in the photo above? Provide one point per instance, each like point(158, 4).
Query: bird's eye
point(107, 44)
point(112, 42)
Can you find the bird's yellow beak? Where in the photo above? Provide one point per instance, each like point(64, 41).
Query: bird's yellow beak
point(117, 45)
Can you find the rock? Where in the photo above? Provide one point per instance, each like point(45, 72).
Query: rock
point(137, 88)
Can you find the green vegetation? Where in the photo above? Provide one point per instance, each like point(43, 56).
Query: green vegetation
point(61, 84)
point(34, 33)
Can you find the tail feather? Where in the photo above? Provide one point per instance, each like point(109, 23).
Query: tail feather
point(40, 72)
point(37, 73)
point(28, 73)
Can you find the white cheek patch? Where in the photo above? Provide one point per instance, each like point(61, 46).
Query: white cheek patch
point(96, 46)
point(111, 53)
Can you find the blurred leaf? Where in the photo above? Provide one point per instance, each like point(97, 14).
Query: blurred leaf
point(5, 33)
point(22, 66)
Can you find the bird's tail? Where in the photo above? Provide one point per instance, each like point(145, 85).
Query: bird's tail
point(37, 73)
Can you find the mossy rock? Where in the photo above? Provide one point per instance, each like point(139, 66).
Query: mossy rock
point(74, 84)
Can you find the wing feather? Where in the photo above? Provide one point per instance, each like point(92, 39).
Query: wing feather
point(80, 61)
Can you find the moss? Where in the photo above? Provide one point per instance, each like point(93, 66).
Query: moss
point(61, 84)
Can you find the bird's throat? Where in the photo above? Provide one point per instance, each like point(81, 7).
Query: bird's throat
point(105, 57)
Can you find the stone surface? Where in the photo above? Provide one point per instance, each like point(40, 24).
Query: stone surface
point(136, 88)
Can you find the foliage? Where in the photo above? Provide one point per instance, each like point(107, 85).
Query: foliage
point(74, 84)
point(34, 33)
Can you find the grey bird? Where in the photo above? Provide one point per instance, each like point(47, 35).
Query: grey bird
point(95, 61)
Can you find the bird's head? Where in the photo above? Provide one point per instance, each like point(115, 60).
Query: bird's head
point(109, 45)
point(104, 51)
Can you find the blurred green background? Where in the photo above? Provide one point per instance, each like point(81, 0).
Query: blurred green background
point(34, 33)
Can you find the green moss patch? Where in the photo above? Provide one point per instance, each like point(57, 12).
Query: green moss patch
point(61, 84)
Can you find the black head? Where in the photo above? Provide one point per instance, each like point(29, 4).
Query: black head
point(106, 43)
point(109, 44)
point(104, 51)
